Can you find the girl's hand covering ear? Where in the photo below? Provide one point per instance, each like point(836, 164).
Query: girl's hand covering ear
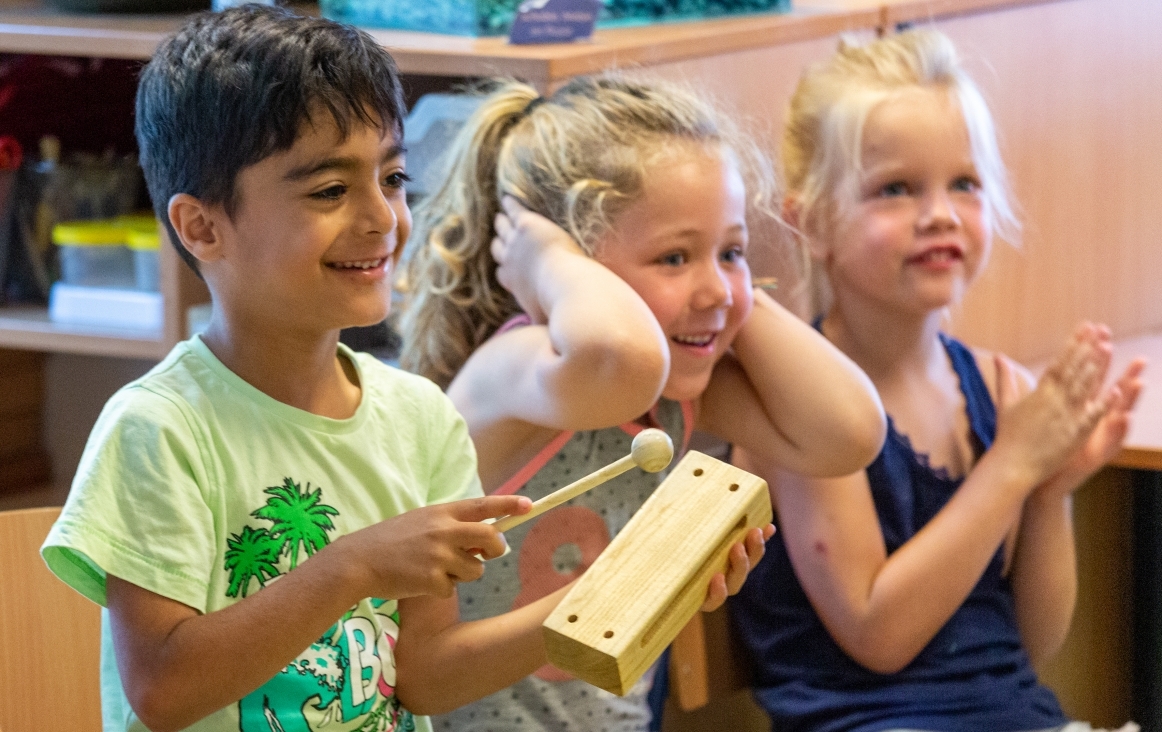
point(523, 240)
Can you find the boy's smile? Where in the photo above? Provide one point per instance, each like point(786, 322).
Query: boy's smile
point(316, 232)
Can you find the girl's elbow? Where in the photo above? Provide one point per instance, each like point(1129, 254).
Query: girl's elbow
point(869, 441)
point(643, 362)
point(864, 440)
point(885, 659)
point(879, 649)
point(628, 376)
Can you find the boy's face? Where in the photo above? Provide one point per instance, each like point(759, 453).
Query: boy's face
point(317, 232)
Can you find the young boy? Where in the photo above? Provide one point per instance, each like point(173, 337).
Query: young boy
point(271, 146)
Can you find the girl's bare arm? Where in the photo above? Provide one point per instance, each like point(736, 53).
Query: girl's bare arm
point(1044, 570)
point(883, 610)
point(787, 394)
point(594, 355)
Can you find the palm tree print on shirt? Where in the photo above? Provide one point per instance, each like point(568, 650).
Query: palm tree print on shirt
point(300, 521)
point(250, 555)
point(298, 518)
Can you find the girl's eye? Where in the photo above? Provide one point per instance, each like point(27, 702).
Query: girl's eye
point(966, 184)
point(734, 254)
point(673, 259)
point(331, 193)
point(396, 180)
point(895, 188)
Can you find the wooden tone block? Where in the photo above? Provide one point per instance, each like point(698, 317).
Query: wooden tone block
point(652, 578)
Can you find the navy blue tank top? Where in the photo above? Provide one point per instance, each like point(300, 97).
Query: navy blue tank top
point(974, 675)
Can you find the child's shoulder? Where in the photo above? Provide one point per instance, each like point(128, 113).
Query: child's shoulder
point(396, 384)
point(986, 363)
point(168, 383)
point(402, 398)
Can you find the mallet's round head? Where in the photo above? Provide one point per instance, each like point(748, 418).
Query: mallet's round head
point(652, 450)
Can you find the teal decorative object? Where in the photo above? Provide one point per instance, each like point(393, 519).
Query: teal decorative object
point(494, 17)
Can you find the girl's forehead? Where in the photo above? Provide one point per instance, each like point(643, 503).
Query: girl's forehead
point(914, 124)
point(672, 151)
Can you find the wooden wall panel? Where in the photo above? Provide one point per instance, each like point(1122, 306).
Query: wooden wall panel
point(757, 85)
point(1077, 94)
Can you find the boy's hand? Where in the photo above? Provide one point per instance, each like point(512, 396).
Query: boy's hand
point(428, 550)
point(523, 238)
point(1045, 427)
point(741, 560)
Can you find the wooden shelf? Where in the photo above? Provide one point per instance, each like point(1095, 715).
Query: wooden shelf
point(425, 53)
point(29, 328)
point(893, 12)
point(27, 26)
point(909, 11)
point(35, 29)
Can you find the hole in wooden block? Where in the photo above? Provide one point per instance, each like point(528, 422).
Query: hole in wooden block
point(733, 487)
point(697, 471)
point(609, 634)
point(572, 618)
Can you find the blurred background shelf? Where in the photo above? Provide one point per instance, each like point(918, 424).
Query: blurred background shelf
point(28, 327)
point(32, 28)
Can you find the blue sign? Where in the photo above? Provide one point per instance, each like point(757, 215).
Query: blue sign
point(554, 21)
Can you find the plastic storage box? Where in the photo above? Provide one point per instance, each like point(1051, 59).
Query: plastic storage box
point(94, 254)
point(144, 245)
point(428, 133)
point(494, 17)
point(105, 308)
point(143, 240)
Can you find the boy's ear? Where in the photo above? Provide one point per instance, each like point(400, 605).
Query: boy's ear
point(196, 227)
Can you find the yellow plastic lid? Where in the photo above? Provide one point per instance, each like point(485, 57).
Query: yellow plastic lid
point(144, 241)
point(88, 234)
point(137, 222)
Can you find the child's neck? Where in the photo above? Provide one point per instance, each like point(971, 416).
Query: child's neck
point(299, 369)
point(889, 347)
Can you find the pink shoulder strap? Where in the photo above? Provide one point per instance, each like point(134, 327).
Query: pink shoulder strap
point(525, 474)
point(517, 321)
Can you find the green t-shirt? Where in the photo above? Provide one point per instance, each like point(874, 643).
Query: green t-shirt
point(199, 487)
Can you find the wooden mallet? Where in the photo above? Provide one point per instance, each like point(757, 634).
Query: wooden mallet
point(651, 450)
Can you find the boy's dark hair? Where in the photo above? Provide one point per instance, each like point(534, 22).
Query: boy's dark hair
point(232, 88)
